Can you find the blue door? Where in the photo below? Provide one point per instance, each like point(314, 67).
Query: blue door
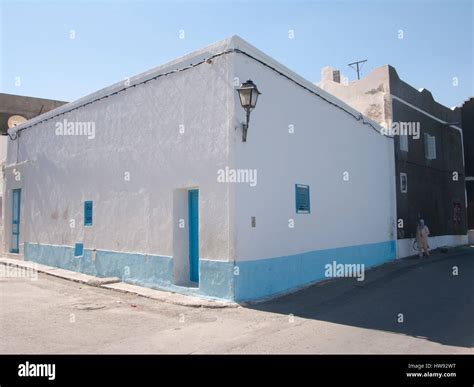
point(15, 246)
point(193, 213)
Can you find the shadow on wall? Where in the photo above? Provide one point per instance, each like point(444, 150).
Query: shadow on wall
point(435, 304)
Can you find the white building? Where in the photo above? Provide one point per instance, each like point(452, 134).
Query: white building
point(146, 193)
point(15, 109)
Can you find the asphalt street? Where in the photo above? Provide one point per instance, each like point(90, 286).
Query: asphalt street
point(408, 306)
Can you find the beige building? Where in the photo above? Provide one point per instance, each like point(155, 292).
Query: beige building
point(428, 141)
point(369, 95)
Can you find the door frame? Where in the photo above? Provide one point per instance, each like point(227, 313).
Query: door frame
point(15, 248)
point(193, 235)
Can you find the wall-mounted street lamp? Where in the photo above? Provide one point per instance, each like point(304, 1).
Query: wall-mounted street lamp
point(248, 94)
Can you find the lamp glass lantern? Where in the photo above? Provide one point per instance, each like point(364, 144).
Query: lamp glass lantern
point(248, 94)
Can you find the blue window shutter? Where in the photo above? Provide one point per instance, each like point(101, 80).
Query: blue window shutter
point(79, 250)
point(88, 213)
point(302, 199)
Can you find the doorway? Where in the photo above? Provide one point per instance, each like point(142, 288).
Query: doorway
point(16, 203)
point(193, 216)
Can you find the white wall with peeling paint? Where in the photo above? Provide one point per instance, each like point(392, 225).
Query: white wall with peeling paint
point(137, 132)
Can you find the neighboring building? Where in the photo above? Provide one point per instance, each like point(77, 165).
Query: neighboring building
point(15, 109)
point(467, 113)
point(429, 165)
point(150, 181)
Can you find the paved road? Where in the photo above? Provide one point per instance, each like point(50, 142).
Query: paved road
point(51, 315)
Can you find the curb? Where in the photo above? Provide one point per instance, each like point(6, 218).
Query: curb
point(114, 283)
point(169, 297)
point(60, 273)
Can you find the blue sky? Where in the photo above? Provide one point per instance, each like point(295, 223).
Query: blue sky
point(117, 39)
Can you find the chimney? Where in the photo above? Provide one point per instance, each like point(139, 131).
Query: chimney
point(330, 74)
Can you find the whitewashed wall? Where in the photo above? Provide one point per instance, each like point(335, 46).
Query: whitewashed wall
point(326, 143)
point(3, 156)
point(137, 131)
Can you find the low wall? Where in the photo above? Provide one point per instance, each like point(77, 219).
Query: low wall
point(405, 247)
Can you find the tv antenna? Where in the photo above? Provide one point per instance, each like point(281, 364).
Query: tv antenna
point(357, 66)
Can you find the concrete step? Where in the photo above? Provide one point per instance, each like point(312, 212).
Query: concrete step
point(60, 273)
point(15, 256)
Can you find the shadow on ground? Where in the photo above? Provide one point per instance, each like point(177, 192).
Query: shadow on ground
point(435, 304)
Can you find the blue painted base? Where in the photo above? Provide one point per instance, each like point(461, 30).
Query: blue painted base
point(266, 277)
point(148, 269)
point(151, 271)
point(248, 280)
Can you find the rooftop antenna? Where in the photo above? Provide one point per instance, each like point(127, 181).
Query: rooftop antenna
point(358, 66)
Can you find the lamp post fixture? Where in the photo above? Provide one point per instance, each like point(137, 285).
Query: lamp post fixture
point(248, 94)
